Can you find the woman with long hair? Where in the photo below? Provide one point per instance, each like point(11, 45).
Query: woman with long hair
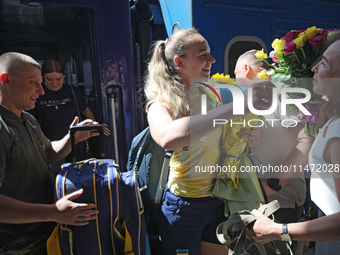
point(190, 214)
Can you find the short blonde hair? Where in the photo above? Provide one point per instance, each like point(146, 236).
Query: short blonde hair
point(251, 59)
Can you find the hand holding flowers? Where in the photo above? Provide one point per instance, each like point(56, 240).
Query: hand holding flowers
point(293, 56)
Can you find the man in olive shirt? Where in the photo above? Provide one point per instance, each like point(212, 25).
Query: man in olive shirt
point(27, 204)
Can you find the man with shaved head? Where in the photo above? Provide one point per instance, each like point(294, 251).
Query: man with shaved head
point(247, 67)
point(28, 210)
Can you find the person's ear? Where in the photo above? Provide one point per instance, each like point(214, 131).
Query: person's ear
point(247, 70)
point(178, 61)
point(4, 79)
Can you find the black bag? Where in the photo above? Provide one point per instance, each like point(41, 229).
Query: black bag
point(151, 162)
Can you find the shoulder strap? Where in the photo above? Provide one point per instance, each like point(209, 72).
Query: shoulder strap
point(9, 130)
point(87, 146)
point(141, 149)
point(163, 178)
point(233, 232)
point(75, 100)
point(36, 131)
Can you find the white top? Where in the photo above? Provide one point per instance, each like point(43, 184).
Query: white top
point(323, 191)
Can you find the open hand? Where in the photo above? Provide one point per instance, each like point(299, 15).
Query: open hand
point(107, 131)
point(72, 213)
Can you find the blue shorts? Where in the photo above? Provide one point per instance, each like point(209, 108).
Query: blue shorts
point(185, 222)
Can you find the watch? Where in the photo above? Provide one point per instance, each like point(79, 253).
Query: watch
point(285, 235)
point(274, 183)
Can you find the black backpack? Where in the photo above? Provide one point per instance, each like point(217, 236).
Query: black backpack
point(151, 162)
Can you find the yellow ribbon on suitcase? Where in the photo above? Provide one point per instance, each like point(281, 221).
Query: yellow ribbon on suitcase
point(53, 247)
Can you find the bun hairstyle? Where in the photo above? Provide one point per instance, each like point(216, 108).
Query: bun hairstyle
point(52, 65)
point(163, 82)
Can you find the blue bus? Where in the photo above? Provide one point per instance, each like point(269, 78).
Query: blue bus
point(105, 44)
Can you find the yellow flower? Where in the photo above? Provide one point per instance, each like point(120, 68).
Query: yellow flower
point(263, 74)
point(299, 42)
point(260, 54)
point(311, 32)
point(303, 36)
point(223, 78)
point(217, 75)
point(279, 45)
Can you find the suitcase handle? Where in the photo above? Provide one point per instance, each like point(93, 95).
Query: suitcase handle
point(99, 128)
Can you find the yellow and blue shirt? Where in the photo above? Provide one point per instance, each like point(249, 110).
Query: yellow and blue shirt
point(195, 176)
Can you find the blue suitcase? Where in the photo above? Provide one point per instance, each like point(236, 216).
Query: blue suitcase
point(120, 225)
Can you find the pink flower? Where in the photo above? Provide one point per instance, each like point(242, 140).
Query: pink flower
point(290, 48)
point(316, 41)
point(274, 58)
point(290, 36)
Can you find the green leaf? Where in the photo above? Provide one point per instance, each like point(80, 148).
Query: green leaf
point(279, 56)
point(277, 77)
point(286, 78)
point(271, 71)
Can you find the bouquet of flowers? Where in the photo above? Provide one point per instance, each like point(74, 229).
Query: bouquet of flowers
point(293, 56)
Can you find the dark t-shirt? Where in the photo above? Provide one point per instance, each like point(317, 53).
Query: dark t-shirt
point(24, 175)
point(55, 111)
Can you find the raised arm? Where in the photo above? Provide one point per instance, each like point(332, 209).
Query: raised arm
point(89, 114)
point(322, 229)
point(173, 134)
point(60, 149)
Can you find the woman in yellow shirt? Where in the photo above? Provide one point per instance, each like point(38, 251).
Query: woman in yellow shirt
point(190, 215)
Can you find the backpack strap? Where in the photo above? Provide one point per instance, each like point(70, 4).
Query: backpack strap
point(183, 154)
point(163, 178)
point(88, 151)
point(75, 100)
point(233, 232)
point(140, 149)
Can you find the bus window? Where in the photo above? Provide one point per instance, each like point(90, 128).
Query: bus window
point(236, 47)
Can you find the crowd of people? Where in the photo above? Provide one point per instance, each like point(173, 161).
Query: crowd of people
point(190, 213)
